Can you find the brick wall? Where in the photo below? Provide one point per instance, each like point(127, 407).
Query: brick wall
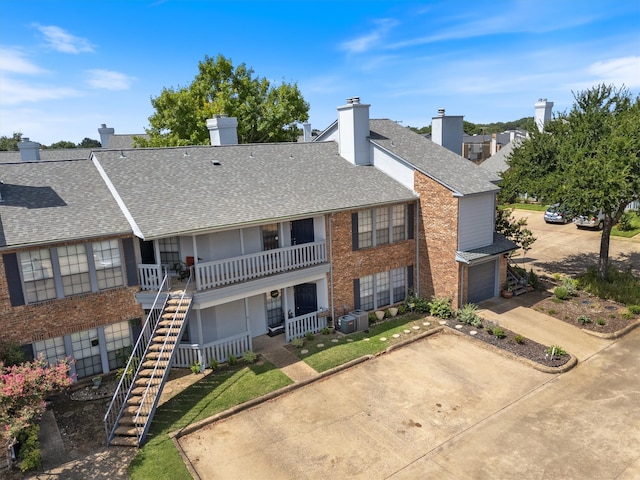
point(29, 323)
point(349, 265)
point(438, 271)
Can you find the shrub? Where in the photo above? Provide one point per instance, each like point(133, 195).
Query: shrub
point(11, 354)
point(468, 314)
point(619, 286)
point(635, 309)
point(625, 222)
point(133, 366)
point(29, 453)
point(533, 279)
point(195, 367)
point(583, 320)
point(249, 356)
point(628, 316)
point(440, 307)
point(519, 339)
point(552, 311)
point(570, 284)
point(556, 350)
point(325, 331)
point(601, 321)
point(372, 318)
point(232, 360)
point(297, 342)
point(498, 332)
point(418, 304)
point(308, 336)
point(402, 309)
point(561, 293)
point(213, 364)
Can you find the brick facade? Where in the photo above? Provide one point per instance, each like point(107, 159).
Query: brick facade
point(28, 323)
point(438, 271)
point(349, 265)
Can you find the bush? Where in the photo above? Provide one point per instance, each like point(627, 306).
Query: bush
point(325, 331)
point(195, 367)
point(232, 360)
point(213, 364)
point(440, 307)
point(498, 332)
point(556, 350)
point(570, 285)
point(418, 304)
point(628, 316)
point(561, 293)
point(601, 322)
point(402, 309)
point(297, 342)
point(583, 320)
point(11, 354)
point(308, 336)
point(519, 339)
point(635, 309)
point(372, 318)
point(249, 356)
point(621, 287)
point(533, 279)
point(625, 222)
point(468, 314)
point(29, 452)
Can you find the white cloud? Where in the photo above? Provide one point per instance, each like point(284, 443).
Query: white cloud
point(15, 92)
point(14, 60)
point(109, 80)
point(366, 42)
point(62, 41)
point(618, 71)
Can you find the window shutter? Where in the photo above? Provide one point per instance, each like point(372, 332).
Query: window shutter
point(130, 262)
point(356, 294)
point(12, 272)
point(354, 231)
point(410, 278)
point(410, 220)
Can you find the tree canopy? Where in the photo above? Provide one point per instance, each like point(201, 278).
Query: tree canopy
point(10, 144)
point(587, 158)
point(265, 113)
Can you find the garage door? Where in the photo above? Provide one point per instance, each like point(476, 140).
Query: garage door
point(482, 282)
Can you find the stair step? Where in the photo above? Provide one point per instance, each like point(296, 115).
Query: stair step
point(169, 322)
point(134, 400)
point(158, 355)
point(177, 308)
point(170, 316)
point(143, 382)
point(131, 411)
point(138, 390)
point(124, 441)
point(147, 372)
point(126, 431)
point(172, 332)
point(156, 347)
point(128, 420)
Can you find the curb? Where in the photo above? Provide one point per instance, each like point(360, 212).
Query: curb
point(614, 335)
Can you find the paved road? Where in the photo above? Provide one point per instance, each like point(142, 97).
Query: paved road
point(566, 249)
point(442, 408)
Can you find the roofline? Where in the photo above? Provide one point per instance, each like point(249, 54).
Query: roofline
point(23, 246)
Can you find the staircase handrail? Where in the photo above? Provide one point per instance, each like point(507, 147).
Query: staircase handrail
point(126, 381)
point(151, 385)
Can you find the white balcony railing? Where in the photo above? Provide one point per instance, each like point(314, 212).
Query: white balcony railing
point(150, 276)
point(249, 267)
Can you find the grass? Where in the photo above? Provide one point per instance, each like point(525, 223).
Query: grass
point(215, 393)
point(635, 223)
point(621, 287)
point(527, 206)
point(334, 354)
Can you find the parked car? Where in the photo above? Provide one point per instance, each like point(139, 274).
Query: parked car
point(595, 219)
point(556, 213)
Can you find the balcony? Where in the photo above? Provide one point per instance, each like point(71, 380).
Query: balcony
point(219, 273)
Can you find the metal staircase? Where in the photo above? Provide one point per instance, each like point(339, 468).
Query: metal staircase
point(134, 402)
point(516, 282)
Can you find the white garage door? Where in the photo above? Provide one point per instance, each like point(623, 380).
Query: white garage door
point(482, 282)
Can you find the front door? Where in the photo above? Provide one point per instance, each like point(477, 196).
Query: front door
point(302, 231)
point(147, 252)
point(305, 298)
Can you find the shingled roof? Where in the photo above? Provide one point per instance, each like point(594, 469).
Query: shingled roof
point(171, 191)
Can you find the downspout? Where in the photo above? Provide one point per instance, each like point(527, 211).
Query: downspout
point(416, 234)
point(331, 266)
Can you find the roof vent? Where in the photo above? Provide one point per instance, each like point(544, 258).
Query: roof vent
point(186, 153)
point(215, 162)
point(122, 155)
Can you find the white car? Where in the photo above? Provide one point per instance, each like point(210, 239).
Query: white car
point(595, 219)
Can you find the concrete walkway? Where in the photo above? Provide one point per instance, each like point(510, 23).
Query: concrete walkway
point(541, 328)
point(273, 349)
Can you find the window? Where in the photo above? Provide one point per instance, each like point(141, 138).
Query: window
point(365, 229)
point(86, 352)
point(52, 349)
point(106, 255)
point(390, 287)
point(270, 236)
point(169, 251)
point(366, 293)
point(390, 224)
point(37, 275)
point(118, 344)
point(74, 269)
point(382, 226)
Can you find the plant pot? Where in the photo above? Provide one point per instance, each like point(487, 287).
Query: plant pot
point(393, 311)
point(379, 315)
point(506, 294)
point(97, 381)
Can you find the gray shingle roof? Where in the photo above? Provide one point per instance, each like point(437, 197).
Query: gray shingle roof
point(121, 140)
point(501, 244)
point(451, 170)
point(497, 163)
point(49, 154)
point(55, 201)
point(177, 190)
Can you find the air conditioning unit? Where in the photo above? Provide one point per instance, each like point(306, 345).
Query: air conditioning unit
point(347, 323)
point(362, 319)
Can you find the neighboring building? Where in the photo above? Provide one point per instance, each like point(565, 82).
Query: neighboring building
point(270, 237)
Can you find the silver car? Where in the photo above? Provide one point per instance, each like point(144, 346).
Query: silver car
point(595, 219)
point(557, 214)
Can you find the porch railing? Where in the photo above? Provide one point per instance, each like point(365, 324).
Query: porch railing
point(150, 276)
point(248, 267)
point(220, 350)
point(297, 327)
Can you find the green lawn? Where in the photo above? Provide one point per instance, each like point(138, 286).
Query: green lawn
point(216, 392)
point(635, 223)
point(527, 206)
point(358, 344)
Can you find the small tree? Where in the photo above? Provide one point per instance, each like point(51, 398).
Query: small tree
point(23, 389)
point(514, 230)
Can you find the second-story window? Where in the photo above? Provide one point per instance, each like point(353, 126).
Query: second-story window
point(108, 264)
point(37, 275)
point(169, 251)
point(74, 269)
point(365, 229)
point(390, 224)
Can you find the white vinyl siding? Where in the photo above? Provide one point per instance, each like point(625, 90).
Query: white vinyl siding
point(476, 220)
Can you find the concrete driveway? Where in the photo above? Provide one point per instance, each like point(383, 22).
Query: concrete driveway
point(444, 407)
point(566, 249)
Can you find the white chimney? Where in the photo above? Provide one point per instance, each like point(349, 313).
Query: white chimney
point(543, 113)
point(353, 131)
point(105, 135)
point(223, 130)
point(306, 130)
point(447, 131)
point(29, 151)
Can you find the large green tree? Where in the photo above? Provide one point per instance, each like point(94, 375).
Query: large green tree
point(265, 113)
point(587, 158)
point(10, 143)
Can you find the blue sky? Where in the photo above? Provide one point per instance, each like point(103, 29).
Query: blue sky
point(68, 66)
